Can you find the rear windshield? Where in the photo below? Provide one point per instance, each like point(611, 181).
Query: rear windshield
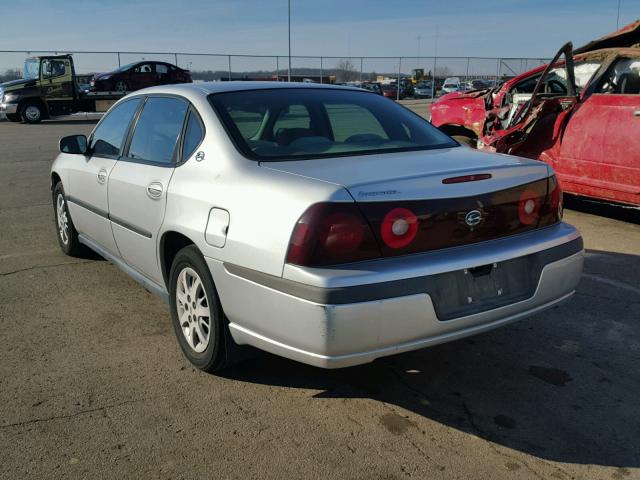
point(283, 124)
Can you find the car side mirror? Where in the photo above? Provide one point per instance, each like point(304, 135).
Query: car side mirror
point(74, 144)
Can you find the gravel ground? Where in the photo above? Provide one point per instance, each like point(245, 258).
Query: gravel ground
point(93, 384)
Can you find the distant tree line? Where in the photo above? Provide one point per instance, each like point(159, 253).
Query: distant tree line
point(11, 74)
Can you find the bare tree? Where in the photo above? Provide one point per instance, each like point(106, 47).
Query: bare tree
point(346, 71)
point(443, 72)
point(11, 74)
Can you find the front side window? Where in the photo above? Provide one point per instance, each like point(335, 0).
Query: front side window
point(161, 68)
point(158, 129)
point(144, 68)
point(623, 78)
point(109, 135)
point(296, 123)
point(53, 68)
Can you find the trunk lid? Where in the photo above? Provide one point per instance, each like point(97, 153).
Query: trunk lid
point(417, 175)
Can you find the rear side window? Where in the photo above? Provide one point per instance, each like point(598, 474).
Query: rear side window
point(108, 137)
point(158, 129)
point(192, 136)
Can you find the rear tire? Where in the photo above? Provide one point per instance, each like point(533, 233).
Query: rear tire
point(67, 234)
point(466, 141)
point(196, 312)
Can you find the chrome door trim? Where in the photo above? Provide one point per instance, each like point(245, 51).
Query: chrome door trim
point(130, 227)
point(87, 206)
point(106, 215)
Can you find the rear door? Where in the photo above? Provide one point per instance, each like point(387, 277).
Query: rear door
point(139, 182)
point(600, 151)
point(87, 190)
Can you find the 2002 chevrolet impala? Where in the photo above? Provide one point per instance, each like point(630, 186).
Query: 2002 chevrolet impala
point(321, 223)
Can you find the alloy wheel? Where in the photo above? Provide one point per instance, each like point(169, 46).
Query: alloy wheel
point(194, 313)
point(32, 113)
point(63, 221)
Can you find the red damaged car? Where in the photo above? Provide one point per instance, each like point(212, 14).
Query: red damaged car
point(135, 76)
point(580, 114)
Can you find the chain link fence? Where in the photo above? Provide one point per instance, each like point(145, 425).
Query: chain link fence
point(220, 67)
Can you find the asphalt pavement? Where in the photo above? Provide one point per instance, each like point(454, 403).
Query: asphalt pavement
point(93, 384)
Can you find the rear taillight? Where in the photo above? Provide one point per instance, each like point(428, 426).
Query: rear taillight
point(552, 209)
point(399, 227)
point(529, 207)
point(329, 234)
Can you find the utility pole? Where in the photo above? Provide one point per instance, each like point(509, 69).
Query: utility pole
point(435, 66)
point(618, 19)
point(289, 17)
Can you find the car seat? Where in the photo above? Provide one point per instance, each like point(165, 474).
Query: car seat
point(629, 84)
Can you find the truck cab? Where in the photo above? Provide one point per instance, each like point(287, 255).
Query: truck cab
point(48, 88)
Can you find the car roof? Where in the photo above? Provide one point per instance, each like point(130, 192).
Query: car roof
point(207, 88)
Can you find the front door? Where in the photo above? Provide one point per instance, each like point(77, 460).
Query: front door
point(139, 182)
point(600, 152)
point(87, 189)
point(56, 84)
point(142, 76)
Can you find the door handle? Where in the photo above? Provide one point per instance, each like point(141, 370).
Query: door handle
point(154, 189)
point(636, 113)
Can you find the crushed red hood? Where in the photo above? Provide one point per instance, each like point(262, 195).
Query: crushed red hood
point(627, 36)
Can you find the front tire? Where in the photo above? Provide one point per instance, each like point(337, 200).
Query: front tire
point(67, 234)
point(121, 86)
point(196, 313)
point(32, 112)
point(13, 117)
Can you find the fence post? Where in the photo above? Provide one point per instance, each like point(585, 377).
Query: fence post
point(229, 57)
point(175, 57)
point(118, 59)
point(433, 85)
point(361, 69)
point(399, 73)
point(277, 68)
point(467, 77)
point(498, 69)
point(321, 71)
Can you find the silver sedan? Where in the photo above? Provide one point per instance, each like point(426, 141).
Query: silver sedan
point(321, 223)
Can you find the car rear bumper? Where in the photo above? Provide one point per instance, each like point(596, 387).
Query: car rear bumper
point(348, 321)
point(8, 108)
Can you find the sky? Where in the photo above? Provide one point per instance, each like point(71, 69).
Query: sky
point(491, 28)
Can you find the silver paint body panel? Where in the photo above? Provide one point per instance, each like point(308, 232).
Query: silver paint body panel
point(263, 203)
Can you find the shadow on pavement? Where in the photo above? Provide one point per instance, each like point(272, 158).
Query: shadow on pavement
point(562, 385)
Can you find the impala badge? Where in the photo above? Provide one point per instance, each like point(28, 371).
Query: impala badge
point(473, 218)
